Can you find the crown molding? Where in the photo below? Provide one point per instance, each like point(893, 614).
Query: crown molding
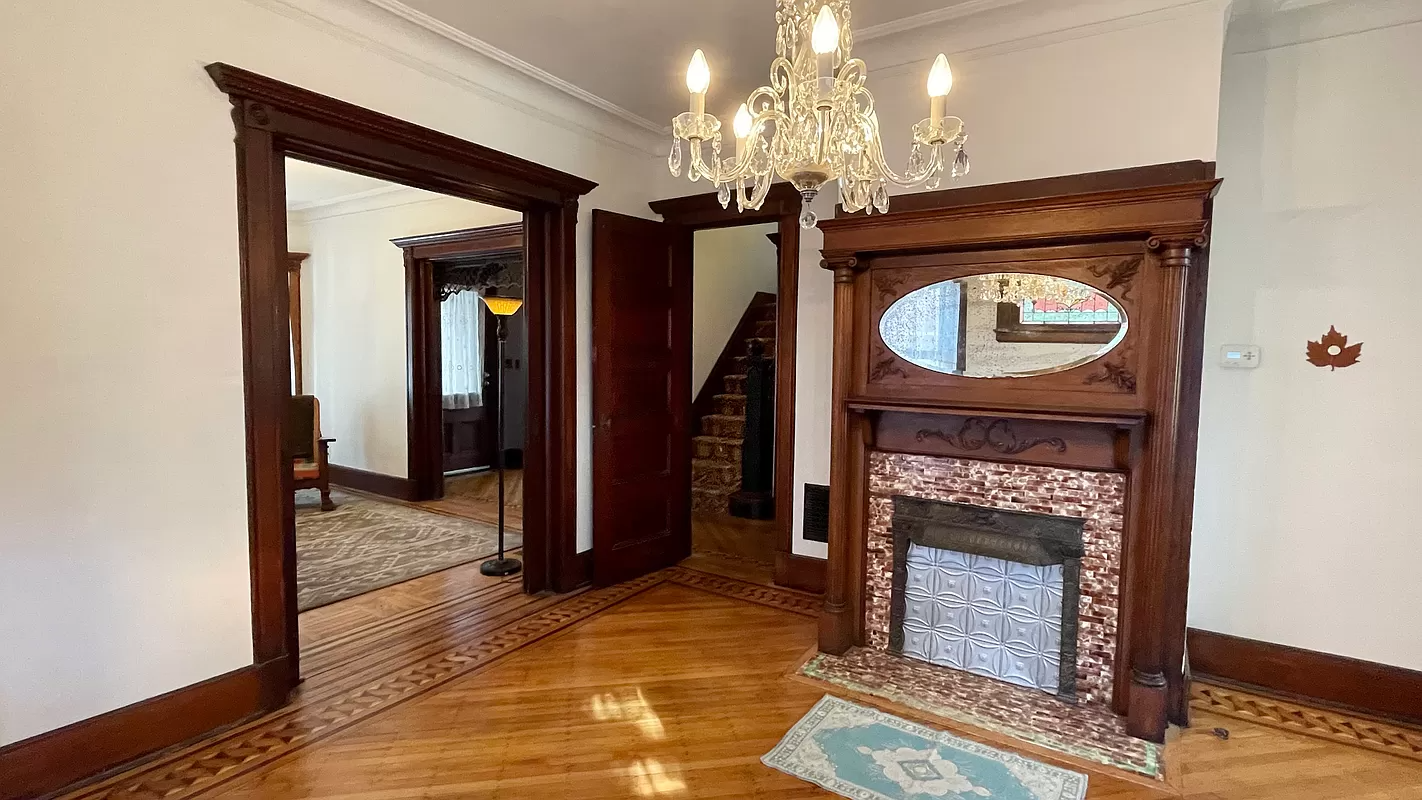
point(939, 16)
point(996, 29)
point(1263, 25)
point(378, 26)
point(311, 205)
point(361, 202)
point(513, 62)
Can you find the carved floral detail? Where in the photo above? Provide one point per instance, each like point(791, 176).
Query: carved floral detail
point(887, 283)
point(1121, 274)
point(976, 433)
point(1116, 374)
point(886, 366)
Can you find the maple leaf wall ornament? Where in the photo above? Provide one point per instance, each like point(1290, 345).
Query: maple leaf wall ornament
point(1333, 351)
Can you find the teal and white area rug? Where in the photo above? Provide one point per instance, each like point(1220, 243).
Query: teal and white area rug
point(866, 754)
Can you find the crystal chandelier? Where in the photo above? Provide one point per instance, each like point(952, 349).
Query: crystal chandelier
point(1018, 287)
point(814, 123)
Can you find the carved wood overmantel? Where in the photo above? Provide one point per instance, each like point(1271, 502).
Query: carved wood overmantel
point(1142, 243)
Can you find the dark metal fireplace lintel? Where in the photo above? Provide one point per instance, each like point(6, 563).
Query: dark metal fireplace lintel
point(1020, 536)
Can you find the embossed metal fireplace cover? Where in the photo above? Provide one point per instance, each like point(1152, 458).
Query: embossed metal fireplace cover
point(1039, 541)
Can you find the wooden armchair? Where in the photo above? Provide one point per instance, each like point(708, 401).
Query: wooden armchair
point(304, 444)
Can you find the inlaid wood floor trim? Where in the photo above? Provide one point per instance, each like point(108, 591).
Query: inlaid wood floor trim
point(1334, 726)
point(361, 691)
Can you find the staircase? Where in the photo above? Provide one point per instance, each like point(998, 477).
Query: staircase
point(716, 452)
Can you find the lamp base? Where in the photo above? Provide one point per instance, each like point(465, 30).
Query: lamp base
point(500, 566)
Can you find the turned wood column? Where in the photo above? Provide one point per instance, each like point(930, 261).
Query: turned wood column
point(836, 621)
point(1152, 557)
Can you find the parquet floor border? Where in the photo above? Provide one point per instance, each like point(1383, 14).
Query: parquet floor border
point(192, 771)
point(1331, 725)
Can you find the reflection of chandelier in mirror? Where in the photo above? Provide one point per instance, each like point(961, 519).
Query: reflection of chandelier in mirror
point(1016, 287)
point(815, 122)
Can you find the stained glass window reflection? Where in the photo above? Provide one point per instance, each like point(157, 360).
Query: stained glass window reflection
point(1094, 310)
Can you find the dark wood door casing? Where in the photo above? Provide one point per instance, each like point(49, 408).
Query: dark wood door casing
point(1134, 410)
point(426, 426)
point(274, 120)
point(781, 207)
point(641, 396)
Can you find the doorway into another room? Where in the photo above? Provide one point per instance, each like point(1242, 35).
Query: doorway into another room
point(354, 243)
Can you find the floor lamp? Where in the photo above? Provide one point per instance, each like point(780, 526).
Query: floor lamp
point(502, 308)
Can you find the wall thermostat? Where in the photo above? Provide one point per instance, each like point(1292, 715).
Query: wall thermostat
point(1239, 356)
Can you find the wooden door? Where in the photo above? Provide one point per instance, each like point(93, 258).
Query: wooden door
point(641, 327)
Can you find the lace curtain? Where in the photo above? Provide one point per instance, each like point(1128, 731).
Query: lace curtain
point(462, 349)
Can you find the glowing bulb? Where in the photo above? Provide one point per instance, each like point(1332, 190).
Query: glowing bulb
point(940, 78)
point(698, 74)
point(825, 38)
point(742, 123)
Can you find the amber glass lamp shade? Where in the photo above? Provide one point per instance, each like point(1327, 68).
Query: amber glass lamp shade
point(503, 306)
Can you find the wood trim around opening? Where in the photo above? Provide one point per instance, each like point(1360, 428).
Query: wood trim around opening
point(45, 764)
point(1307, 676)
point(274, 121)
point(782, 206)
point(423, 254)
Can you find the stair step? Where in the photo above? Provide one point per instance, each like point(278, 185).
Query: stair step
point(718, 448)
point(735, 384)
point(715, 474)
point(724, 426)
point(730, 405)
point(712, 500)
point(765, 327)
point(741, 360)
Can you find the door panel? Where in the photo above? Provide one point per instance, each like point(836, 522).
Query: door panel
point(641, 396)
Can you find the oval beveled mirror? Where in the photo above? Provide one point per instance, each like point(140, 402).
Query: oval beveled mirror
point(1003, 325)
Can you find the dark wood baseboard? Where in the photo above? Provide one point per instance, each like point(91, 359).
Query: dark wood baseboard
point(51, 761)
point(1310, 677)
point(800, 572)
point(373, 483)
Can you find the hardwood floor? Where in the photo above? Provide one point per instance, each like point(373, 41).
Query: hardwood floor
point(476, 496)
point(673, 685)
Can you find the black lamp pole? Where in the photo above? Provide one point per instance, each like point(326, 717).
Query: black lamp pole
point(502, 565)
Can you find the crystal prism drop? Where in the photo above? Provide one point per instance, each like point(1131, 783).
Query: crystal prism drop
point(935, 181)
point(723, 194)
point(881, 198)
point(961, 166)
point(674, 159)
point(807, 217)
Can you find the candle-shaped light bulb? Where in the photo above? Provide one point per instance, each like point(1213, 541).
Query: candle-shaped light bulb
point(940, 78)
point(940, 83)
point(825, 38)
point(698, 74)
point(742, 123)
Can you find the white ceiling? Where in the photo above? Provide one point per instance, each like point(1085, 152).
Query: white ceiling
point(633, 53)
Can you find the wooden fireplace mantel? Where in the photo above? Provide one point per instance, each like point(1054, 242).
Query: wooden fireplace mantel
point(1133, 411)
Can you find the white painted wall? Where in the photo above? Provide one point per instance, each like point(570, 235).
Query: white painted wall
point(358, 337)
point(1125, 97)
point(1306, 526)
point(123, 571)
point(729, 266)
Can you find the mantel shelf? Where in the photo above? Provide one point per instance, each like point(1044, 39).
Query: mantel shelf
point(1118, 419)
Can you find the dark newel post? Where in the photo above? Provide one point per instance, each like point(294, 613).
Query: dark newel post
point(756, 499)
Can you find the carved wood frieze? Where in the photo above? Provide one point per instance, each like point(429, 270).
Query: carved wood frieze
point(976, 433)
point(1116, 373)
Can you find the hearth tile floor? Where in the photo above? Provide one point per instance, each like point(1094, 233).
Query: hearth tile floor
point(1087, 731)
